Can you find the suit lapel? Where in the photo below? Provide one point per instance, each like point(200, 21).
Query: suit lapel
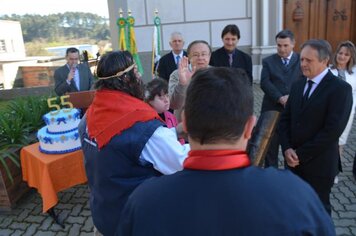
point(234, 58)
point(323, 83)
point(299, 90)
point(293, 59)
point(73, 86)
point(81, 76)
point(278, 61)
point(173, 61)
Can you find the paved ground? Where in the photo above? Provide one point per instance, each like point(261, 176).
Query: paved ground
point(28, 219)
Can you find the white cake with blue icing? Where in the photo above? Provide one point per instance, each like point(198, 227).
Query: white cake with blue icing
point(60, 135)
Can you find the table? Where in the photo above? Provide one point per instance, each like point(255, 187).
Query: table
point(50, 174)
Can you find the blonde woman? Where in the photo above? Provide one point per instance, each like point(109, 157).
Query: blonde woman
point(344, 66)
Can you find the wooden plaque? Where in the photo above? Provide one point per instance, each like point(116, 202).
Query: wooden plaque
point(81, 99)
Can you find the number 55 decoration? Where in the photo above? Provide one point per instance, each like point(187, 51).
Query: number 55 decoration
point(52, 104)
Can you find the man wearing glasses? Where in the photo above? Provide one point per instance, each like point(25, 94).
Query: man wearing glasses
point(72, 77)
point(199, 52)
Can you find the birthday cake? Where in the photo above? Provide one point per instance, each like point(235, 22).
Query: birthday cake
point(60, 135)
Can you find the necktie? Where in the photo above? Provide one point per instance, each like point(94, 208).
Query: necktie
point(230, 59)
point(76, 79)
point(306, 94)
point(177, 59)
point(285, 61)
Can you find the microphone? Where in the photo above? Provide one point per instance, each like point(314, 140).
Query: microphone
point(72, 69)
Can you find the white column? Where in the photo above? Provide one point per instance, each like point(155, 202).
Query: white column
point(279, 19)
point(254, 23)
point(267, 20)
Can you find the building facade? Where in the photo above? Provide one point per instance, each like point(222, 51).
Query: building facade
point(12, 49)
point(258, 20)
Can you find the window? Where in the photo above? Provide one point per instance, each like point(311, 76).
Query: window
point(2, 46)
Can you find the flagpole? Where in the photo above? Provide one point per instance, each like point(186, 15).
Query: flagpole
point(156, 42)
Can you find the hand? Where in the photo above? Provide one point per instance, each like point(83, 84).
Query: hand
point(180, 131)
point(71, 73)
point(283, 100)
point(183, 71)
point(291, 157)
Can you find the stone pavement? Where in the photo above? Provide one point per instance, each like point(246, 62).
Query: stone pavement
point(73, 207)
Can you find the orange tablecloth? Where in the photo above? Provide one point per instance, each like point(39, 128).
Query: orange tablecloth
point(50, 174)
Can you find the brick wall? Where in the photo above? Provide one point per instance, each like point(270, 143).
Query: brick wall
point(9, 94)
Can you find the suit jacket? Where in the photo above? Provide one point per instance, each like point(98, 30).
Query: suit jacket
point(220, 58)
point(313, 130)
point(61, 86)
point(167, 65)
point(277, 79)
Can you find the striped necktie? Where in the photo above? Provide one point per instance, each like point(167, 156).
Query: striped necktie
point(230, 59)
point(177, 60)
point(285, 61)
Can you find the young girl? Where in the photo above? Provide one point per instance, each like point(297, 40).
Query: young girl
point(156, 94)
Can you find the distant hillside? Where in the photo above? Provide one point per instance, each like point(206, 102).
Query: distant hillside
point(68, 25)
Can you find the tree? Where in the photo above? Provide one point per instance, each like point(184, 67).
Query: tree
point(63, 25)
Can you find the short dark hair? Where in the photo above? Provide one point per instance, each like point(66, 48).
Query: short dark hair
point(232, 29)
point(218, 103)
point(285, 34)
point(109, 65)
point(71, 50)
point(322, 46)
point(155, 87)
point(197, 42)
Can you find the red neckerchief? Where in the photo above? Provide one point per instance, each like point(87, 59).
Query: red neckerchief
point(113, 111)
point(216, 160)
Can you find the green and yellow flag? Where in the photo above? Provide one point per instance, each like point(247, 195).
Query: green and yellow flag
point(132, 47)
point(121, 23)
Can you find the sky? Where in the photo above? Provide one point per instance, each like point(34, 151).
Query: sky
point(46, 7)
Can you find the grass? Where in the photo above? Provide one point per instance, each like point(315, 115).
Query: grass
point(3, 104)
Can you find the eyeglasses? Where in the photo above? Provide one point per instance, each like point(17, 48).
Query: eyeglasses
point(203, 54)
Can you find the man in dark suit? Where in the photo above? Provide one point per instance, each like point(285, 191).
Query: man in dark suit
point(218, 192)
point(229, 55)
point(169, 62)
point(315, 116)
point(72, 77)
point(279, 71)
